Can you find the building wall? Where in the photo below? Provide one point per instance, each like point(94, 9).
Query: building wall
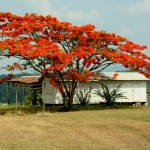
point(48, 92)
point(135, 91)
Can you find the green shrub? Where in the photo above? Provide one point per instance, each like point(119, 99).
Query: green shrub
point(110, 96)
point(84, 96)
point(33, 99)
point(148, 95)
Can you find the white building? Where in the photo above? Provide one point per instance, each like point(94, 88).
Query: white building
point(132, 84)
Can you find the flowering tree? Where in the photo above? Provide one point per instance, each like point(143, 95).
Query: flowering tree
point(65, 53)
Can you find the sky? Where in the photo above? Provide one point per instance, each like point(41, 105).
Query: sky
point(128, 18)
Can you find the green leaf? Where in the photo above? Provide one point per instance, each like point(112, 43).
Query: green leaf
point(110, 96)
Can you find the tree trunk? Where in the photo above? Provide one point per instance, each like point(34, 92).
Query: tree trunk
point(68, 94)
point(68, 101)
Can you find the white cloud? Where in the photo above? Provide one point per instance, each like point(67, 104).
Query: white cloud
point(73, 15)
point(41, 7)
point(143, 7)
point(127, 32)
point(46, 8)
point(79, 15)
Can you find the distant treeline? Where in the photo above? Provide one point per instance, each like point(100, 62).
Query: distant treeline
point(148, 84)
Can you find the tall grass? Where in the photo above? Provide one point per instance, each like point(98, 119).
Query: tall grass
point(113, 129)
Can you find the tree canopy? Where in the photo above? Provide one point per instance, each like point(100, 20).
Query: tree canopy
point(64, 52)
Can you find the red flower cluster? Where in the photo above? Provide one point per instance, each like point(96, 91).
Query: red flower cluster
point(15, 66)
point(7, 77)
point(62, 50)
point(115, 75)
point(75, 75)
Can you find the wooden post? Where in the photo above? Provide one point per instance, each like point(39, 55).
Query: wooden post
point(43, 107)
point(20, 95)
point(16, 99)
point(8, 92)
point(43, 97)
point(24, 93)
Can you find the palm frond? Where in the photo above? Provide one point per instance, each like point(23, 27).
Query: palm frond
point(83, 95)
point(110, 96)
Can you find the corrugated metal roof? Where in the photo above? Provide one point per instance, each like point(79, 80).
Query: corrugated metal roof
point(122, 76)
point(100, 76)
point(25, 79)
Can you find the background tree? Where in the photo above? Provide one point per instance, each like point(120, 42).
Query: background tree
point(65, 53)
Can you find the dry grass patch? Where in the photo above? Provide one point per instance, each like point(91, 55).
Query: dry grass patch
point(126, 129)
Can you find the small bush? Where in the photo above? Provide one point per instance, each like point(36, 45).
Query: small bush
point(33, 99)
point(110, 96)
point(84, 96)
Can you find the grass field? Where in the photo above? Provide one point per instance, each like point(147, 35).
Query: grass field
point(117, 129)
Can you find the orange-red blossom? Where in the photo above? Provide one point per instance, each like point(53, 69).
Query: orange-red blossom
point(61, 49)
